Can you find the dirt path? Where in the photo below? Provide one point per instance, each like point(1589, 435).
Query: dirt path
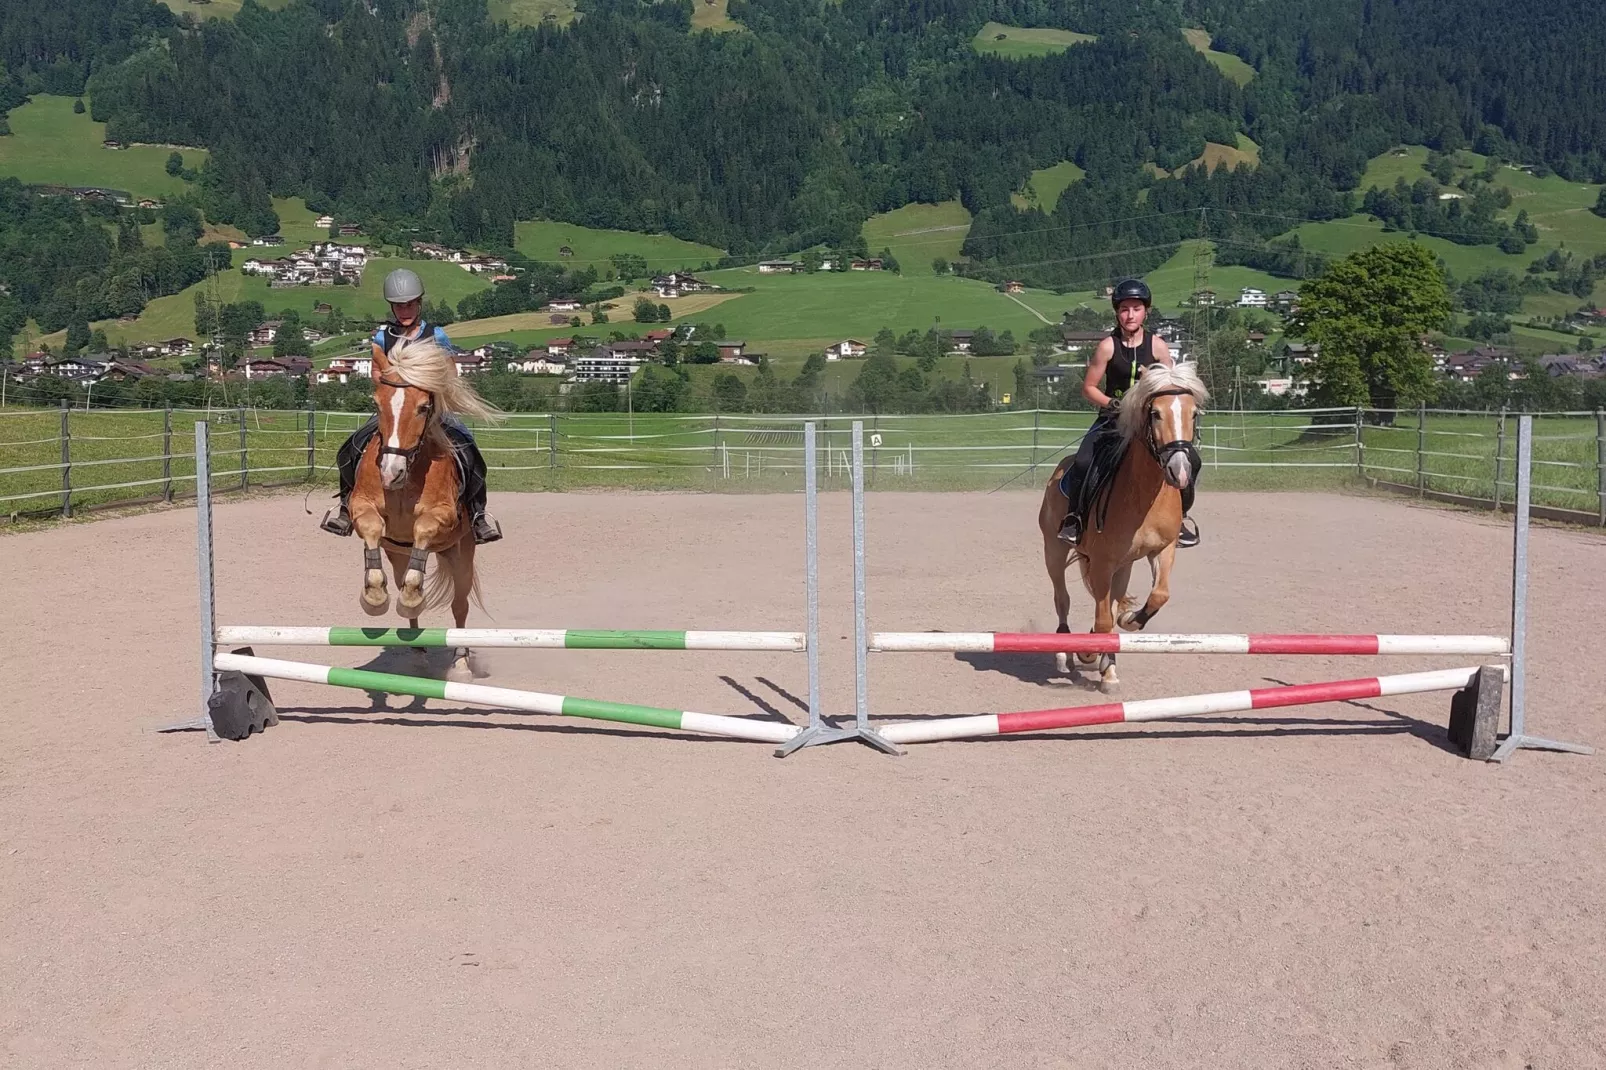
point(433, 886)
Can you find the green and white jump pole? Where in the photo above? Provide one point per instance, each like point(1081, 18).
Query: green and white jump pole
point(531, 638)
point(504, 698)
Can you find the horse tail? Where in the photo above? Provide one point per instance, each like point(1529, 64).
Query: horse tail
point(439, 586)
point(1084, 567)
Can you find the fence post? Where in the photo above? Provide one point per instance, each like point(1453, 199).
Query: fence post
point(312, 440)
point(66, 459)
point(552, 439)
point(1600, 462)
point(167, 451)
point(1360, 447)
point(245, 466)
point(1037, 419)
point(1421, 444)
point(1499, 457)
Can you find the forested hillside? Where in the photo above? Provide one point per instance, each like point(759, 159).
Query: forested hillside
point(427, 117)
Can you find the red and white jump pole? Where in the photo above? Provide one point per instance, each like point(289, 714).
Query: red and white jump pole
point(1144, 643)
point(1165, 709)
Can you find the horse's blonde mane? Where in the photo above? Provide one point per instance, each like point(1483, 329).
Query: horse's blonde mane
point(1156, 379)
point(428, 365)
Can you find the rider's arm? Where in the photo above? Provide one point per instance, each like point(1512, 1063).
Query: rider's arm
point(1096, 366)
point(1162, 352)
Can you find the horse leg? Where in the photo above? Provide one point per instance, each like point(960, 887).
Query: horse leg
point(428, 526)
point(1056, 556)
point(460, 561)
point(1100, 584)
point(370, 527)
point(1119, 604)
point(1159, 593)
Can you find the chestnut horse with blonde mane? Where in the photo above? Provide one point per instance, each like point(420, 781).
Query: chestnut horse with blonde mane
point(406, 499)
point(1141, 516)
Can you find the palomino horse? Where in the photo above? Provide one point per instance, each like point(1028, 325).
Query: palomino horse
point(1141, 517)
point(405, 500)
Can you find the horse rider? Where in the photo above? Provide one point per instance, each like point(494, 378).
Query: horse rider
point(1116, 364)
point(404, 291)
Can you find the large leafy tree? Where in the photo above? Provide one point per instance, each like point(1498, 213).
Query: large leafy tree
point(1368, 312)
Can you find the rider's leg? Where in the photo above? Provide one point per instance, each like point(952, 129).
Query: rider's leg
point(485, 527)
point(338, 520)
point(1071, 527)
point(1189, 536)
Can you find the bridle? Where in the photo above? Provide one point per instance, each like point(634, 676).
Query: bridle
point(1162, 452)
point(409, 455)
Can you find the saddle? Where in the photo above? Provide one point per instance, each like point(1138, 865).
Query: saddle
point(1090, 498)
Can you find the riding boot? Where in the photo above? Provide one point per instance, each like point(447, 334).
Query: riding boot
point(337, 521)
point(486, 529)
point(1071, 529)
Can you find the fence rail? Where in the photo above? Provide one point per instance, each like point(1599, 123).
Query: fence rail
point(65, 461)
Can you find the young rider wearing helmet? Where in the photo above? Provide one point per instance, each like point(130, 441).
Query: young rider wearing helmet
point(404, 291)
point(1116, 365)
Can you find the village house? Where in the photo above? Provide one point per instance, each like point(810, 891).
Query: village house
point(870, 264)
point(276, 367)
point(1298, 354)
point(602, 365)
point(263, 334)
point(78, 369)
point(1202, 298)
point(482, 265)
point(846, 349)
point(1285, 301)
point(676, 283)
point(660, 336)
point(540, 362)
point(324, 222)
point(1055, 374)
point(1077, 340)
point(633, 347)
point(779, 267)
point(469, 363)
point(1252, 298)
point(348, 230)
point(123, 371)
point(564, 304)
point(1013, 286)
point(268, 239)
point(961, 340)
point(559, 347)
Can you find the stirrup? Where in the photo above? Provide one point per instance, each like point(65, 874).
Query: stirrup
point(1071, 530)
point(486, 529)
point(1189, 533)
point(336, 521)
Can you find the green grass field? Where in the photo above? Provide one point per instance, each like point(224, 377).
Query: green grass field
point(1043, 189)
point(174, 316)
point(748, 452)
point(1025, 42)
point(1230, 65)
point(663, 252)
point(531, 12)
point(713, 15)
point(919, 233)
point(52, 146)
point(216, 9)
point(1172, 282)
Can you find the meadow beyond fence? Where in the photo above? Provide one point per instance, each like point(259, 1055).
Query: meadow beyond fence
point(66, 461)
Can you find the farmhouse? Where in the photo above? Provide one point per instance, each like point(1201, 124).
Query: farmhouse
point(277, 367)
point(676, 283)
point(779, 267)
point(1013, 286)
point(871, 264)
point(563, 304)
point(469, 363)
point(1252, 298)
point(324, 222)
point(960, 340)
point(1077, 340)
point(846, 349)
point(263, 334)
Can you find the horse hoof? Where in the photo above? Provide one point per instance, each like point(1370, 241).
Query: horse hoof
point(1129, 622)
point(1109, 687)
point(1062, 663)
point(375, 600)
point(410, 602)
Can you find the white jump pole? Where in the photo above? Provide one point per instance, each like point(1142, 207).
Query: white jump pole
point(536, 638)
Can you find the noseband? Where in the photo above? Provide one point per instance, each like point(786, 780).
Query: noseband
point(1162, 452)
point(409, 455)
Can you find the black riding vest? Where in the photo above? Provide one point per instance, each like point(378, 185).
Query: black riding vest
point(1120, 373)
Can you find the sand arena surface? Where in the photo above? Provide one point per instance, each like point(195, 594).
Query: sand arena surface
point(439, 886)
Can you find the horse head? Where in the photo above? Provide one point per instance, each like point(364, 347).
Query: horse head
point(406, 414)
point(1164, 406)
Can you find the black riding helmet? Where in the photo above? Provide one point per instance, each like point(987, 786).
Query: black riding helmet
point(1131, 290)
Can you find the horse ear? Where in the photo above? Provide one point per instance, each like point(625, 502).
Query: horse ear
point(381, 361)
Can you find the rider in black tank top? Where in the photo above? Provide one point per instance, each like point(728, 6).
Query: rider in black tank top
point(1132, 301)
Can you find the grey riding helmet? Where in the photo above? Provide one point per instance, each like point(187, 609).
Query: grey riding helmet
point(402, 286)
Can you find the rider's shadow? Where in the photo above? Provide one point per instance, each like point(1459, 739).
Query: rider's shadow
point(1030, 669)
point(429, 662)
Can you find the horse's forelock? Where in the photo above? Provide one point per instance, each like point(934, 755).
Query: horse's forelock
point(1159, 379)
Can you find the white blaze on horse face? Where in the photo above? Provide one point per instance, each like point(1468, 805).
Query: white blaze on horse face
point(1178, 472)
point(393, 467)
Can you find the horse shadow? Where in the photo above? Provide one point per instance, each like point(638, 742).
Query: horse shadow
point(1035, 668)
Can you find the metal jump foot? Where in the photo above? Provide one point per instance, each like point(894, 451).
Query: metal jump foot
point(1512, 744)
point(821, 734)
